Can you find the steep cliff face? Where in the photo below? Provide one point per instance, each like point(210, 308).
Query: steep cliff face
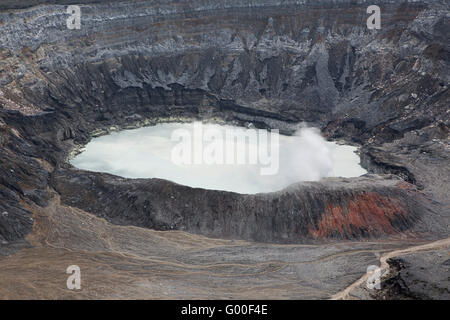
point(335, 208)
point(273, 64)
point(306, 62)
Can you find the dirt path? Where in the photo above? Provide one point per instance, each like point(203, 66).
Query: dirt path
point(345, 294)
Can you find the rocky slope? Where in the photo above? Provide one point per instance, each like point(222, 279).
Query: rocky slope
point(268, 63)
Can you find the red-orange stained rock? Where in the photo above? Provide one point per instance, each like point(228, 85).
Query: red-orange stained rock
point(370, 211)
point(405, 185)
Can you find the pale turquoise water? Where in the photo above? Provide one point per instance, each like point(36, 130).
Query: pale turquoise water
point(147, 153)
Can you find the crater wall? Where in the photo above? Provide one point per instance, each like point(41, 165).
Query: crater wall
point(270, 63)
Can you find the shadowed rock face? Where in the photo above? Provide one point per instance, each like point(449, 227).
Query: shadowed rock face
point(418, 276)
point(260, 62)
point(364, 208)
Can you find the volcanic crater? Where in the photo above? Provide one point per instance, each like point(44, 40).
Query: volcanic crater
point(266, 64)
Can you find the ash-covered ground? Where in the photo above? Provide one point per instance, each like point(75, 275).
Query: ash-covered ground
point(241, 62)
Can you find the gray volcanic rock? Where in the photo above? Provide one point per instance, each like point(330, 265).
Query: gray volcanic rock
point(367, 207)
point(419, 276)
point(267, 63)
point(316, 62)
